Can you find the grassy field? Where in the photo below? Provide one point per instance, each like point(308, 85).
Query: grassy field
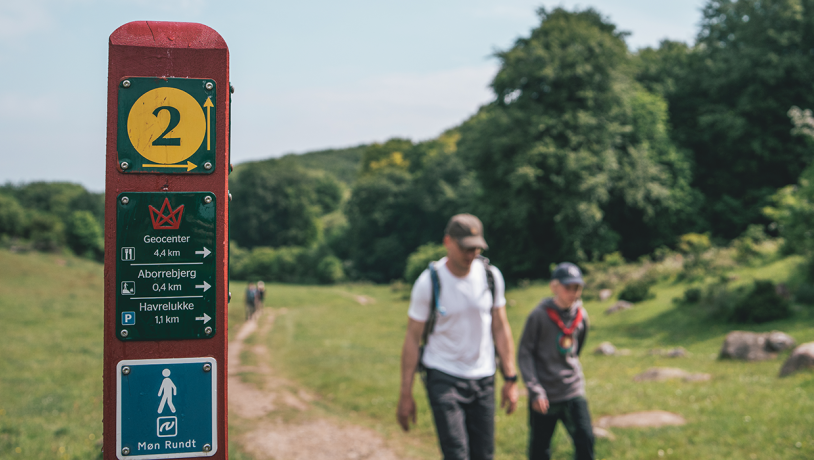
point(348, 353)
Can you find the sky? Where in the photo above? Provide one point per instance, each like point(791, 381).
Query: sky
point(307, 75)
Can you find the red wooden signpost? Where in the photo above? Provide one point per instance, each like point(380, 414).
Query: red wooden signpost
point(166, 242)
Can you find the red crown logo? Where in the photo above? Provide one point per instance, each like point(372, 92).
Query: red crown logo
point(166, 218)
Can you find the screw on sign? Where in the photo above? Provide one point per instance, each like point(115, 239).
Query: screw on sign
point(166, 242)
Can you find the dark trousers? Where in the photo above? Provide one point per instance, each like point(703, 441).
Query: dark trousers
point(577, 420)
point(464, 413)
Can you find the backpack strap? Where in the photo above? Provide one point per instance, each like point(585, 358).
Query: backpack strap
point(429, 326)
point(490, 277)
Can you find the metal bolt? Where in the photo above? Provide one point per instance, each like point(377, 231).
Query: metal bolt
point(207, 199)
point(126, 83)
point(209, 86)
point(231, 89)
point(207, 447)
point(126, 370)
point(207, 165)
point(125, 200)
point(208, 330)
point(125, 165)
point(125, 451)
point(207, 367)
point(230, 297)
point(124, 333)
point(230, 196)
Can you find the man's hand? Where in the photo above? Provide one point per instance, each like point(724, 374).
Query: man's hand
point(406, 412)
point(540, 405)
point(509, 397)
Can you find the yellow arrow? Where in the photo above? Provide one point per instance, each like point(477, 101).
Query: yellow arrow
point(190, 166)
point(208, 104)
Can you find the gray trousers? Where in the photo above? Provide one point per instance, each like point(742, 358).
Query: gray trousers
point(464, 413)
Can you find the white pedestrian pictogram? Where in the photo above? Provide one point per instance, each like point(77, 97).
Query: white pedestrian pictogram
point(168, 390)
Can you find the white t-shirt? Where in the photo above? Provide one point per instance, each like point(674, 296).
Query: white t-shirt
point(461, 343)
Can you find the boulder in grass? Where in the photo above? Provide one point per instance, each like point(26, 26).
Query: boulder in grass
point(755, 346)
point(603, 433)
point(605, 294)
point(746, 346)
point(619, 306)
point(802, 358)
point(605, 348)
point(647, 419)
point(659, 374)
point(779, 341)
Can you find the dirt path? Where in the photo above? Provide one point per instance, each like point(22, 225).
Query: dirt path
point(267, 402)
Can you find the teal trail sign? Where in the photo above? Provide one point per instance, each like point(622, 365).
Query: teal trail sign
point(165, 265)
point(166, 408)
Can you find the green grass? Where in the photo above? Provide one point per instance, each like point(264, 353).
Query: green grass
point(51, 366)
point(349, 354)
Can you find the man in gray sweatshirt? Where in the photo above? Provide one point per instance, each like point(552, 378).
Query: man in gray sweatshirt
point(548, 356)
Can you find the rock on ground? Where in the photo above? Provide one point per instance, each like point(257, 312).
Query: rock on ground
point(605, 348)
point(659, 374)
point(605, 294)
point(802, 358)
point(647, 419)
point(619, 306)
point(754, 346)
point(678, 352)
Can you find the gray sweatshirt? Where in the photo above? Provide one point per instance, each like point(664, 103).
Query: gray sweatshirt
point(547, 372)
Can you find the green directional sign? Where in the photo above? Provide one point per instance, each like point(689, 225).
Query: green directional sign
point(165, 267)
point(166, 125)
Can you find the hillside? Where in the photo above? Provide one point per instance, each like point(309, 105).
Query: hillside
point(341, 163)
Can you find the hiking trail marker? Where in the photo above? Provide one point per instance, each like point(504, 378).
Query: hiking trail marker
point(166, 408)
point(166, 242)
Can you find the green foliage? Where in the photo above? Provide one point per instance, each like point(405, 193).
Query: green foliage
point(574, 157)
point(84, 235)
point(286, 265)
point(728, 97)
point(46, 231)
point(748, 245)
point(805, 294)
point(342, 164)
point(13, 218)
point(397, 206)
point(693, 246)
point(276, 205)
point(692, 296)
point(761, 305)
point(638, 290)
point(421, 258)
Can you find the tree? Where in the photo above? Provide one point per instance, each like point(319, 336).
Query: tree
point(279, 204)
point(403, 199)
point(83, 235)
point(574, 157)
point(751, 63)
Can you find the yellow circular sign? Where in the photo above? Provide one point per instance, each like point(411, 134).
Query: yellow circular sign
point(166, 125)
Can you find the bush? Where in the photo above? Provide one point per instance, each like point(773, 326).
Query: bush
point(13, 219)
point(421, 258)
point(691, 296)
point(290, 264)
point(637, 290)
point(84, 235)
point(46, 232)
point(761, 305)
point(805, 294)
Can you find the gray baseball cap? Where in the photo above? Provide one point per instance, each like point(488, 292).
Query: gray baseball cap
point(467, 230)
point(568, 273)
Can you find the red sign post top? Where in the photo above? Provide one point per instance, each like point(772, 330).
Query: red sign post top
point(166, 50)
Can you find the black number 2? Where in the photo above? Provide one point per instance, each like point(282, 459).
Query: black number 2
point(175, 118)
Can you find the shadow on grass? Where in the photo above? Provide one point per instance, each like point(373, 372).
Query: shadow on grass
point(684, 325)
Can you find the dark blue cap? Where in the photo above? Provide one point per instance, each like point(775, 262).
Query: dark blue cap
point(568, 273)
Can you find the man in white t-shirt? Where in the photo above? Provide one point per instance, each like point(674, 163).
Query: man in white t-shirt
point(460, 351)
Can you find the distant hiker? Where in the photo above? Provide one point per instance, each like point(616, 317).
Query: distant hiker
point(548, 356)
point(251, 300)
point(261, 296)
point(463, 308)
